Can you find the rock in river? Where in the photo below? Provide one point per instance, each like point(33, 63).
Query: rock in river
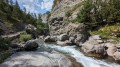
point(31, 45)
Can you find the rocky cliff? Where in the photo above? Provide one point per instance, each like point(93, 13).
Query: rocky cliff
point(58, 19)
point(44, 18)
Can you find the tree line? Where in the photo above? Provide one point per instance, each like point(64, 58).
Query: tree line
point(96, 13)
point(10, 11)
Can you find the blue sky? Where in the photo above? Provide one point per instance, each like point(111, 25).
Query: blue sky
point(36, 6)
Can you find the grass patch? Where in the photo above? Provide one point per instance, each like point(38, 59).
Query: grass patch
point(106, 32)
point(24, 36)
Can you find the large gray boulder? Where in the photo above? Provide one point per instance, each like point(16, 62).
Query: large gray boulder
point(37, 59)
point(116, 56)
point(92, 46)
point(31, 45)
point(78, 32)
point(111, 49)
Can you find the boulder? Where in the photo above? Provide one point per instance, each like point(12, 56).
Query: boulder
point(111, 51)
point(93, 47)
point(63, 37)
point(50, 39)
point(78, 32)
point(31, 45)
point(116, 56)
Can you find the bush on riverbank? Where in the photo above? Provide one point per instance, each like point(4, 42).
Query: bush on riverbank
point(109, 32)
point(4, 44)
point(25, 37)
point(97, 13)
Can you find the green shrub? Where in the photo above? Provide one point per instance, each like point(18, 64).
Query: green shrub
point(84, 15)
point(68, 14)
point(25, 37)
point(106, 31)
point(4, 43)
point(117, 40)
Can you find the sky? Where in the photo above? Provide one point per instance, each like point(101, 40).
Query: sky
point(36, 6)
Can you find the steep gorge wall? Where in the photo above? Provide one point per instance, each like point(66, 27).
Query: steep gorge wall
point(62, 6)
point(58, 20)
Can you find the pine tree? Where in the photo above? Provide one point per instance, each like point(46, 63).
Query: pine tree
point(24, 9)
point(11, 2)
point(17, 5)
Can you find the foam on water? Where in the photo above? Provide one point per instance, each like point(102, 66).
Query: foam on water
point(80, 57)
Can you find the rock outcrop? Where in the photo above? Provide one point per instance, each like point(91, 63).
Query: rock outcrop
point(30, 29)
point(37, 59)
point(94, 46)
point(44, 18)
point(77, 32)
point(31, 45)
point(58, 20)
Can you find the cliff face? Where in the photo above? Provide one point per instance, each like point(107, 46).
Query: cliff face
point(58, 20)
point(60, 7)
point(44, 18)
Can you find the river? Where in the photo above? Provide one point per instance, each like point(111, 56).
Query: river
point(79, 56)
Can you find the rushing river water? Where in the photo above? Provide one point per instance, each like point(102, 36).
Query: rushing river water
point(80, 57)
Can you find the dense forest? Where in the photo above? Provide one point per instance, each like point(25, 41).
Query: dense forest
point(98, 12)
point(10, 11)
point(101, 18)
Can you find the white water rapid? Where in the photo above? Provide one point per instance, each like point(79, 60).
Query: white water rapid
point(80, 57)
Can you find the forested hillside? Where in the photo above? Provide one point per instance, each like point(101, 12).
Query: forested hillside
point(101, 18)
point(11, 16)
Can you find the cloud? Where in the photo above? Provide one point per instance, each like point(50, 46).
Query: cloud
point(34, 6)
point(47, 4)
